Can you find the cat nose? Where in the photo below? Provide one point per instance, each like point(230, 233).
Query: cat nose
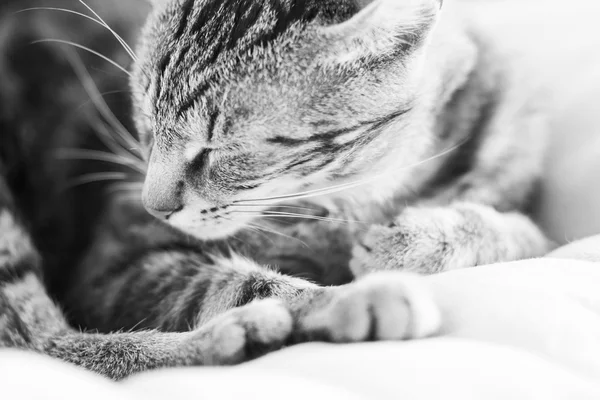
point(161, 205)
point(162, 214)
point(162, 194)
point(162, 200)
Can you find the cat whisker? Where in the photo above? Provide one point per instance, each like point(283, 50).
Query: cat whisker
point(135, 327)
point(311, 217)
point(95, 177)
point(343, 186)
point(314, 193)
point(307, 194)
point(85, 48)
point(105, 135)
point(274, 206)
point(92, 155)
point(123, 43)
point(236, 238)
point(296, 216)
point(107, 72)
point(105, 94)
point(125, 187)
point(275, 232)
point(65, 10)
point(254, 228)
point(90, 87)
point(98, 21)
point(259, 230)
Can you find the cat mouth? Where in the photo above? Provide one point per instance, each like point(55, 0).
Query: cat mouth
point(208, 230)
point(211, 224)
point(222, 222)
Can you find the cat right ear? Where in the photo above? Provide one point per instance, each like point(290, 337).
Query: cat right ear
point(383, 27)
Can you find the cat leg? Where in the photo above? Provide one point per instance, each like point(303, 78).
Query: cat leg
point(469, 208)
point(177, 291)
point(437, 239)
point(380, 306)
point(29, 320)
point(174, 286)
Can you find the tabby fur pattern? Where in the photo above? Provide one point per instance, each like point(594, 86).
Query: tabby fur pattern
point(327, 139)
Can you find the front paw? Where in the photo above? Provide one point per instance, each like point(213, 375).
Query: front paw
point(416, 241)
point(244, 333)
point(380, 249)
point(385, 306)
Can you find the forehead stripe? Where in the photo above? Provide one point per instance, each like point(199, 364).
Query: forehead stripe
point(233, 25)
point(187, 8)
point(329, 136)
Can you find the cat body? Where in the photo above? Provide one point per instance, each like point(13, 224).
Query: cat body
point(394, 139)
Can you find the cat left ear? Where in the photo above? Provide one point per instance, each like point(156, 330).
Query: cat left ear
point(383, 26)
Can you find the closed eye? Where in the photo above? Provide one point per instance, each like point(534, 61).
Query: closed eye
point(212, 122)
point(202, 160)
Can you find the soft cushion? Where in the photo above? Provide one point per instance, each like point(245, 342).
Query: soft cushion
point(523, 330)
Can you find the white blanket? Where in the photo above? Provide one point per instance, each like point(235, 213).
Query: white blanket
point(523, 330)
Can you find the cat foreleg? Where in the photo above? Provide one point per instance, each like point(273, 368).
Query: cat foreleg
point(436, 239)
point(237, 307)
point(30, 320)
point(392, 306)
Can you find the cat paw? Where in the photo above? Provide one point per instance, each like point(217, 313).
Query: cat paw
point(245, 333)
point(417, 241)
point(382, 248)
point(384, 306)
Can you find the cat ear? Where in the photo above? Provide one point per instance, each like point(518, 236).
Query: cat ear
point(383, 26)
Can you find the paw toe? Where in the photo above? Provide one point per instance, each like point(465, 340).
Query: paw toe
point(247, 332)
point(404, 308)
point(267, 322)
point(380, 249)
point(385, 306)
point(228, 343)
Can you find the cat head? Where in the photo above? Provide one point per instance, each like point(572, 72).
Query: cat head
point(243, 100)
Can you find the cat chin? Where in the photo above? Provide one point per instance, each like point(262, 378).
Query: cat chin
point(209, 233)
point(216, 229)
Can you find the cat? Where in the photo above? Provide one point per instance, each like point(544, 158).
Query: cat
point(388, 131)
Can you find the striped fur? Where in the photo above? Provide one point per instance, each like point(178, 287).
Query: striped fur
point(35, 208)
point(238, 101)
point(432, 240)
point(285, 97)
point(178, 290)
point(30, 320)
point(269, 110)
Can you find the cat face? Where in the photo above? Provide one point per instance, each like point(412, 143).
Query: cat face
point(242, 102)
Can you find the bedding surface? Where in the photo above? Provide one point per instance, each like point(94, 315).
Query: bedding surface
point(523, 330)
